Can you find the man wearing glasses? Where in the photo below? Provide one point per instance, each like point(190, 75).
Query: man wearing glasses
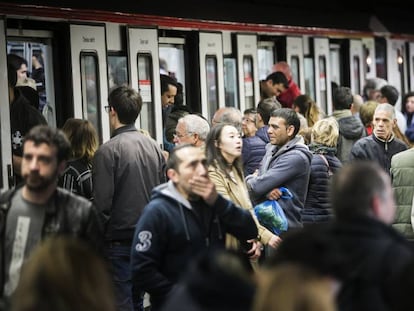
point(125, 169)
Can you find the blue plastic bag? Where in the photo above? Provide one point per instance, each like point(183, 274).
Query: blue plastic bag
point(271, 215)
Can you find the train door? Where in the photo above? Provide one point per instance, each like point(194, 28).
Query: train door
point(397, 66)
point(5, 136)
point(356, 57)
point(308, 69)
point(144, 71)
point(295, 58)
point(211, 73)
point(247, 71)
point(89, 76)
point(411, 66)
point(369, 68)
point(322, 74)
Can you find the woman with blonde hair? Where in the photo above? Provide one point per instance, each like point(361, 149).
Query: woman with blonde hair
point(324, 138)
point(77, 177)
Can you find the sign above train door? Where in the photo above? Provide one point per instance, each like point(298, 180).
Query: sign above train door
point(89, 76)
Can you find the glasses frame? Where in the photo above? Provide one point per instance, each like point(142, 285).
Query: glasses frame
point(107, 108)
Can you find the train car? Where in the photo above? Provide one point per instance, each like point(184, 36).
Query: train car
point(219, 51)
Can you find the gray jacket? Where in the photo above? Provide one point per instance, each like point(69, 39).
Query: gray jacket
point(125, 170)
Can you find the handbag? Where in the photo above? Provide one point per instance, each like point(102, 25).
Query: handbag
point(271, 215)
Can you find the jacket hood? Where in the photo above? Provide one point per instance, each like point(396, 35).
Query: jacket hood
point(351, 127)
point(169, 190)
point(295, 144)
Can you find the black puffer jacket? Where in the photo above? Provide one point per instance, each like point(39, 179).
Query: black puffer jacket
point(71, 215)
point(317, 206)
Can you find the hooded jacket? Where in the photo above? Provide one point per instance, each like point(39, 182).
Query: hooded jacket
point(171, 232)
point(286, 166)
point(350, 130)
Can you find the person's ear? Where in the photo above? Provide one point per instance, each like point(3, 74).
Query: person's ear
point(290, 130)
point(172, 174)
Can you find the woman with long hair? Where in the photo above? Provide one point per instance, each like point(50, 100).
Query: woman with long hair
point(225, 169)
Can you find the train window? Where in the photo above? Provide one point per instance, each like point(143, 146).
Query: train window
point(309, 73)
point(147, 115)
point(356, 73)
point(230, 82)
point(90, 87)
point(323, 87)
point(117, 71)
point(265, 57)
point(294, 65)
point(172, 61)
point(35, 53)
point(212, 84)
point(248, 82)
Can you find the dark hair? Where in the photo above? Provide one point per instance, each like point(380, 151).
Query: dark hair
point(43, 134)
point(342, 98)
point(173, 159)
point(166, 81)
point(278, 77)
point(307, 107)
point(390, 93)
point(290, 116)
point(14, 62)
point(265, 107)
point(126, 102)
point(214, 155)
point(409, 116)
point(354, 187)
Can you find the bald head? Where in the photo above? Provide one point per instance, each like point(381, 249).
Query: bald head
point(228, 115)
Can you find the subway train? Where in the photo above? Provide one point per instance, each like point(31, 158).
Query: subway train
point(218, 50)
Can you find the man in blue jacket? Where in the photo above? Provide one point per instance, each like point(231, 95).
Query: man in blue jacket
point(184, 217)
point(285, 164)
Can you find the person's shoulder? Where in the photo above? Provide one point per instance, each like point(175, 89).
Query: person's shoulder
point(72, 200)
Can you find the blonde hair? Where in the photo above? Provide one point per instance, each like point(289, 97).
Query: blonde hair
point(290, 287)
point(325, 132)
point(83, 138)
point(366, 112)
point(64, 274)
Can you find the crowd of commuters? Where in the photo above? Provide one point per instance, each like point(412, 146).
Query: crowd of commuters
point(177, 226)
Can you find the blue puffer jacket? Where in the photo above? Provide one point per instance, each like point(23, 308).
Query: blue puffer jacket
point(253, 151)
point(317, 207)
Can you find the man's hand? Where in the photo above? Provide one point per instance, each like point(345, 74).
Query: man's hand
point(275, 194)
point(204, 187)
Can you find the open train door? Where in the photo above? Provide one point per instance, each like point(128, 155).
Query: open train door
point(247, 71)
point(322, 74)
point(397, 65)
point(5, 155)
point(144, 72)
point(356, 56)
point(90, 76)
point(295, 58)
point(211, 73)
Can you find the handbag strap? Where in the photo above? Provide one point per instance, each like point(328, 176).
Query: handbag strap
point(327, 163)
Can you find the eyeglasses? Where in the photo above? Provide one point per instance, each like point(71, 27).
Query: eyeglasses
point(107, 108)
point(181, 135)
